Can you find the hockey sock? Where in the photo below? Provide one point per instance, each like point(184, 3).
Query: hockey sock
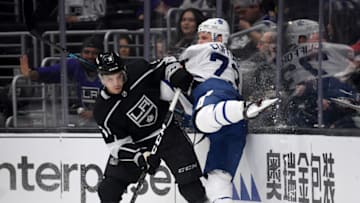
point(212, 117)
point(219, 187)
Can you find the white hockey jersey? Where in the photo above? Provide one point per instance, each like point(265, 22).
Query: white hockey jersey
point(86, 10)
point(334, 62)
point(211, 60)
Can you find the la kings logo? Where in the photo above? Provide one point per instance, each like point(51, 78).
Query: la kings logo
point(144, 113)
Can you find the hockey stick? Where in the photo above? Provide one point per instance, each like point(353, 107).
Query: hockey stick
point(62, 49)
point(31, 24)
point(157, 143)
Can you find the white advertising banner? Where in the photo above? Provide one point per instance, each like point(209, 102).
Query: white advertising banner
point(299, 168)
point(63, 168)
point(66, 167)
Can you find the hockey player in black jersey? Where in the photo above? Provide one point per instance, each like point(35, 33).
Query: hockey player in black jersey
point(129, 112)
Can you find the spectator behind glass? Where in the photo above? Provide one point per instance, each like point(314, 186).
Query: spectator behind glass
point(267, 46)
point(351, 75)
point(200, 4)
point(160, 47)
point(354, 78)
point(124, 49)
point(250, 13)
point(84, 10)
point(186, 29)
point(159, 9)
point(337, 62)
point(85, 76)
point(259, 79)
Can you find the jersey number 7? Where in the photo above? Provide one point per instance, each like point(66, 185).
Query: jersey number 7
point(225, 62)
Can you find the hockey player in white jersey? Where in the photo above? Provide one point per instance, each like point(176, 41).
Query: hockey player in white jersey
point(219, 110)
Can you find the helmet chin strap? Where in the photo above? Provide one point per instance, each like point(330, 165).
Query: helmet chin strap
point(123, 72)
point(214, 36)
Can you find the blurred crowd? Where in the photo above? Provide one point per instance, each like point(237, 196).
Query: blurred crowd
point(307, 67)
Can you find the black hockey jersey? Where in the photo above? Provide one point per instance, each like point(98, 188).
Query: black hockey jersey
point(137, 113)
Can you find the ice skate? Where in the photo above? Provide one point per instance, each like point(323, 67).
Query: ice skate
point(254, 108)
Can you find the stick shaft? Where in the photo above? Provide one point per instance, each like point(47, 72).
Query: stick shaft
point(61, 49)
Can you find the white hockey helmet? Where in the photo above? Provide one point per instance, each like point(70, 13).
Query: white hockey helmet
point(216, 26)
point(300, 27)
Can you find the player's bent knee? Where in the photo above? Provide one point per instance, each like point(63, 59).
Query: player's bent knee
point(211, 118)
point(111, 190)
point(205, 120)
point(193, 192)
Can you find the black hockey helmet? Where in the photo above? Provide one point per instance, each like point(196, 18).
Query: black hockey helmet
point(109, 63)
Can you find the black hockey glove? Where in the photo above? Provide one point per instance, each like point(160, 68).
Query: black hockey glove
point(130, 151)
point(177, 75)
point(147, 162)
point(181, 79)
point(153, 163)
point(140, 161)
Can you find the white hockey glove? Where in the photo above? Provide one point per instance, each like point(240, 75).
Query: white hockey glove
point(253, 109)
